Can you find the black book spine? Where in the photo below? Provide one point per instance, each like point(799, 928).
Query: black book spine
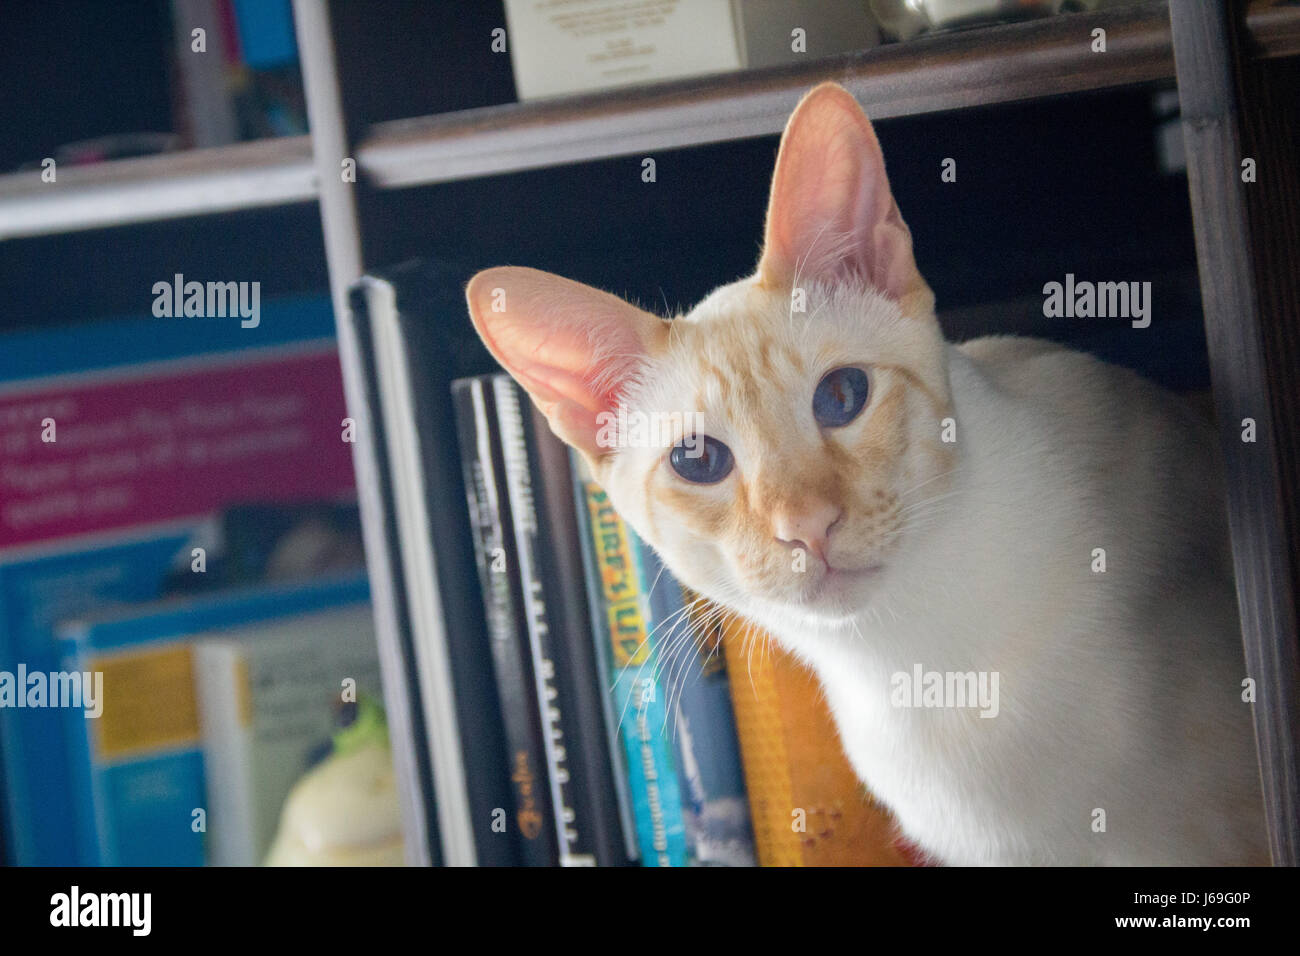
point(579, 675)
point(575, 848)
point(393, 625)
point(483, 464)
point(435, 351)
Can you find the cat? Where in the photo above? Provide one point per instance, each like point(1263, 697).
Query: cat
point(1005, 514)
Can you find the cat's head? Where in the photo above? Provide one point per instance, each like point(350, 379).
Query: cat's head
point(768, 442)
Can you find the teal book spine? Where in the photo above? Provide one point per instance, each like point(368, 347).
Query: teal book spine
point(626, 648)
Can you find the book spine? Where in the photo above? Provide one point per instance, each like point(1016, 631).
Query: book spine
point(481, 458)
point(808, 806)
point(221, 682)
point(701, 721)
point(523, 514)
point(638, 706)
point(394, 634)
point(579, 679)
point(762, 732)
point(144, 758)
point(598, 603)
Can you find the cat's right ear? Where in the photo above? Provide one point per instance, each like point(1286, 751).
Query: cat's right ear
point(832, 215)
point(571, 347)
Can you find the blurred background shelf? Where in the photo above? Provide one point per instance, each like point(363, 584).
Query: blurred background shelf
point(268, 172)
point(1071, 161)
point(979, 67)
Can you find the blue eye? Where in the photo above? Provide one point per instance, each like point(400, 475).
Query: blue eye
point(840, 396)
point(701, 459)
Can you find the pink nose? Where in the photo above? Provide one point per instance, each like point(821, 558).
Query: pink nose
point(807, 527)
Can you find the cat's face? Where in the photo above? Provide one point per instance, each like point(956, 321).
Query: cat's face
point(771, 442)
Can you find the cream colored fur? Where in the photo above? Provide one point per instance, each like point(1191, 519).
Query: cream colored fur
point(1120, 691)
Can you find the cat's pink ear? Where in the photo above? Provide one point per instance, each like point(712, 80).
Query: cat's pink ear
point(570, 346)
point(831, 215)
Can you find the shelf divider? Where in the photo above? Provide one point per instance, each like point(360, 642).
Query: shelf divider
point(980, 67)
point(1262, 545)
point(343, 252)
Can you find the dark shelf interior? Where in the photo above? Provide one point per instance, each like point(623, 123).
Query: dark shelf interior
point(1044, 188)
point(80, 69)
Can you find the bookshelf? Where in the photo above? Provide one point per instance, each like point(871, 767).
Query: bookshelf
point(1196, 44)
point(122, 192)
point(1222, 65)
point(996, 64)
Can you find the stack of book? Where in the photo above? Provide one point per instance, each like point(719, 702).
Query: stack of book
point(179, 549)
point(573, 703)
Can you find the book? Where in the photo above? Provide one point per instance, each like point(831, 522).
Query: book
point(512, 654)
point(448, 744)
point(601, 818)
point(204, 105)
point(619, 611)
point(139, 765)
point(808, 807)
point(564, 668)
point(715, 808)
point(243, 82)
point(263, 73)
point(585, 45)
point(409, 342)
point(121, 440)
point(269, 699)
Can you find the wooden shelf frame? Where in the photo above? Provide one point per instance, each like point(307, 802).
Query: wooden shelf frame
point(1250, 311)
point(981, 67)
point(1194, 42)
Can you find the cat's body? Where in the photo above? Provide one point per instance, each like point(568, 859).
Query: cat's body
point(1119, 689)
point(887, 505)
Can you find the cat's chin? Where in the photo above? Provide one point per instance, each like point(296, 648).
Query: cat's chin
point(839, 594)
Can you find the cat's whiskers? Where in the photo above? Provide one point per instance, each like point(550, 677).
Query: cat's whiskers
point(677, 658)
point(673, 635)
point(637, 677)
point(933, 478)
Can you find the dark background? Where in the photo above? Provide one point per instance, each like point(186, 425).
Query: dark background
point(1056, 186)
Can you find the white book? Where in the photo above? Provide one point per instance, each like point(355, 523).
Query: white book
point(580, 46)
point(268, 697)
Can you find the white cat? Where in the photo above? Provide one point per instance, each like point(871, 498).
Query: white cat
point(1005, 515)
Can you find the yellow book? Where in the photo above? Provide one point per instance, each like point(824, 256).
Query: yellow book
point(807, 804)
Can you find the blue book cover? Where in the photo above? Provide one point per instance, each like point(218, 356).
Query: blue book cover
point(121, 440)
point(138, 764)
point(266, 32)
point(625, 648)
point(701, 723)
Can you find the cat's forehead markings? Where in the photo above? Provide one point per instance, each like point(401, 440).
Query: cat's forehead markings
point(713, 381)
point(732, 368)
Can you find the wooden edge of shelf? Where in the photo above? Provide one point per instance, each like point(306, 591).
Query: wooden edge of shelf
point(998, 64)
point(929, 74)
point(1274, 30)
point(268, 172)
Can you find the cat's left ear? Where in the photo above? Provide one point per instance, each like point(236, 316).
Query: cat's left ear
point(572, 348)
point(831, 215)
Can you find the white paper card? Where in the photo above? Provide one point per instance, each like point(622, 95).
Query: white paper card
point(572, 46)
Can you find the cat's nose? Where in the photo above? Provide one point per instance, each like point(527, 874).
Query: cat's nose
point(807, 527)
